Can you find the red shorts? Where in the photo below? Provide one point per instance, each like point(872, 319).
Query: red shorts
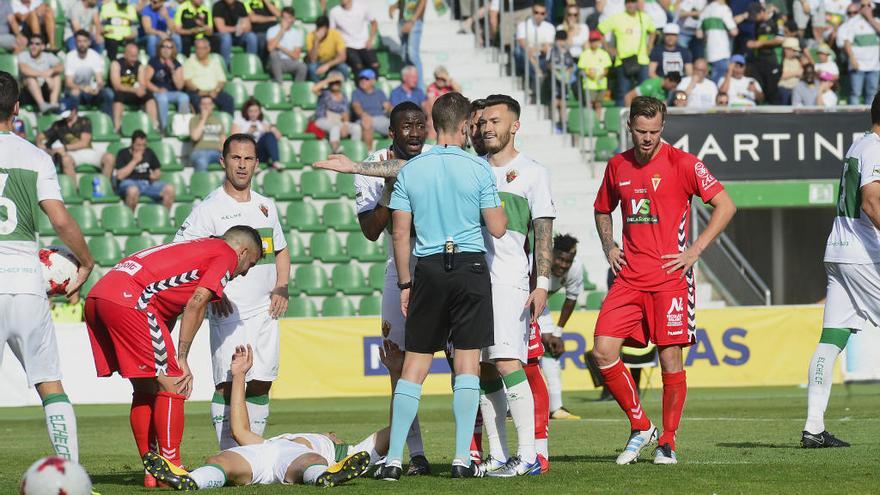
point(664, 318)
point(536, 346)
point(135, 343)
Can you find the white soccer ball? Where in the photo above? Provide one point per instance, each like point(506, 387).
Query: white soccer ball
point(55, 475)
point(59, 269)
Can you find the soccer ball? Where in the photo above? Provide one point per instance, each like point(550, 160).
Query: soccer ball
point(55, 475)
point(59, 269)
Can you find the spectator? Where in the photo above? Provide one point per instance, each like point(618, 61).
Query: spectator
point(165, 81)
point(204, 76)
point(679, 98)
point(742, 91)
point(717, 28)
point(252, 122)
point(359, 29)
point(807, 89)
point(41, 75)
point(263, 14)
point(325, 50)
point(827, 96)
point(835, 15)
point(562, 63)
point(578, 32)
point(633, 34)
point(37, 18)
point(207, 135)
point(128, 77)
point(83, 14)
point(763, 63)
point(409, 89)
point(688, 18)
point(370, 106)
point(69, 142)
point(722, 100)
point(138, 171)
point(655, 87)
point(595, 63)
point(232, 26)
point(701, 91)
point(534, 38)
point(193, 21)
point(792, 70)
point(670, 57)
point(409, 28)
point(587, 12)
point(84, 76)
point(826, 64)
point(859, 40)
point(157, 21)
point(285, 48)
point(608, 8)
point(810, 13)
point(746, 23)
point(331, 114)
point(477, 22)
point(443, 83)
point(119, 20)
point(11, 37)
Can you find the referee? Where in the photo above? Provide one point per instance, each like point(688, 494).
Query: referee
point(443, 193)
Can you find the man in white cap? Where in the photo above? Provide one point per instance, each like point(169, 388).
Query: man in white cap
point(669, 56)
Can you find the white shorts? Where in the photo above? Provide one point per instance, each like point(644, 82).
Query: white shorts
point(85, 156)
point(260, 331)
point(269, 460)
point(852, 299)
point(511, 320)
point(26, 325)
point(393, 321)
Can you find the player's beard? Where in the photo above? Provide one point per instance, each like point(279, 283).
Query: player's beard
point(502, 139)
point(643, 157)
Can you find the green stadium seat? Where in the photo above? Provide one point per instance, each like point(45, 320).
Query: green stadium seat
point(292, 124)
point(345, 185)
point(594, 299)
point(137, 243)
point(301, 95)
point(337, 306)
point(340, 216)
point(119, 220)
point(280, 186)
point(588, 285)
point(308, 10)
point(574, 123)
point(133, 121)
point(44, 226)
point(45, 120)
point(350, 280)
point(297, 249)
point(356, 150)
point(9, 63)
point(390, 65)
point(271, 95)
point(155, 219)
point(555, 301)
point(166, 155)
point(181, 187)
point(102, 127)
point(181, 212)
point(86, 218)
point(301, 307)
point(327, 247)
point(100, 192)
point(363, 249)
point(312, 280)
point(248, 66)
point(383, 143)
point(376, 276)
point(606, 147)
point(105, 250)
point(303, 217)
point(384, 85)
point(612, 119)
point(370, 306)
point(68, 190)
point(287, 155)
point(203, 183)
point(238, 91)
point(314, 151)
point(317, 184)
point(116, 146)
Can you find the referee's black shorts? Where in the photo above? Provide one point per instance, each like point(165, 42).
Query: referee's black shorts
point(453, 306)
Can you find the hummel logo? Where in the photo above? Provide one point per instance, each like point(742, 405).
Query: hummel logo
point(126, 294)
point(624, 183)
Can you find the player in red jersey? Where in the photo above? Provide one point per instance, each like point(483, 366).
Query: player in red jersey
point(130, 313)
point(540, 393)
point(653, 296)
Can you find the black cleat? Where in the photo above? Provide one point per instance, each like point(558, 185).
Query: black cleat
point(821, 440)
point(347, 469)
point(166, 472)
point(418, 466)
point(474, 470)
point(390, 473)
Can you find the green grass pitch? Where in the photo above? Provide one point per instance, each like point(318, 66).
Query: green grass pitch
point(742, 440)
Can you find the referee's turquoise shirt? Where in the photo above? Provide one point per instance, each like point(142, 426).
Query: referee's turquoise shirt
point(444, 188)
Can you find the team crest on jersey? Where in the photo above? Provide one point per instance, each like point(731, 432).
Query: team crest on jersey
point(511, 176)
point(264, 209)
point(655, 181)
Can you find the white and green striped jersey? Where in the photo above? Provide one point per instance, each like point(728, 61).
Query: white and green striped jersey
point(716, 20)
point(854, 238)
point(524, 188)
point(27, 176)
point(864, 40)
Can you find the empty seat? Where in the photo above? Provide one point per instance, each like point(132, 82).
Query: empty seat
point(105, 250)
point(327, 247)
point(606, 147)
point(44, 226)
point(181, 186)
point(97, 189)
point(248, 66)
point(303, 217)
point(340, 216)
point(181, 212)
point(293, 125)
point(317, 184)
point(345, 185)
point(314, 151)
point(102, 127)
point(270, 94)
point(370, 306)
point(203, 183)
point(68, 190)
point(363, 249)
point(312, 280)
point(297, 249)
point(238, 91)
point(280, 185)
point(166, 155)
point(555, 301)
point(301, 307)
point(356, 150)
point(119, 220)
point(287, 155)
point(349, 279)
point(337, 306)
point(86, 218)
point(138, 121)
point(138, 243)
point(308, 10)
point(301, 95)
point(376, 276)
point(155, 219)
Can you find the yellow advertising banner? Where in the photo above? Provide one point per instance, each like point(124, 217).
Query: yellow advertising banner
point(755, 346)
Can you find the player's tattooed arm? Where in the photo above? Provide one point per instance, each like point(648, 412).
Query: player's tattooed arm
point(606, 236)
point(543, 245)
point(193, 315)
point(384, 168)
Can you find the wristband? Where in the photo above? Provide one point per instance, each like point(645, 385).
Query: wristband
point(543, 283)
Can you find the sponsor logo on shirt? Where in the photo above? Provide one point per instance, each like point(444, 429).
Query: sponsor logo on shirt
point(675, 315)
point(130, 267)
point(706, 179)
point(230, 217)
point(641, 211)
point(268, 245)
point(624, 183)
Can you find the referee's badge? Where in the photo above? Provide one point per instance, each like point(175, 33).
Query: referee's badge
point(265, 210)
point(511, 176)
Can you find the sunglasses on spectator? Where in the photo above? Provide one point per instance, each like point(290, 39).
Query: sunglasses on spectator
point(167, 46)
point(573, 14)
point(681, 97)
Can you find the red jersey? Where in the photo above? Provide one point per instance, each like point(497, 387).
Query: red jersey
point(656, 206)
point(163, 278)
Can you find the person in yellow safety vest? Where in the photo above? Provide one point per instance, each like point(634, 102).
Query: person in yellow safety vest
point(119, 21)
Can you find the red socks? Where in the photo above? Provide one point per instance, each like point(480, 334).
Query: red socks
point(542, 399)
point(674, 393)
point(477, 439)
point(621, 385)
point(141, 418)
point(168, 423)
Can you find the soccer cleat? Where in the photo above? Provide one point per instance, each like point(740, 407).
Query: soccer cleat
point(150, 481)
point(418, 465)
point(822, 440)
point(517, 467)
point(476, 457)
point(492, 464)
point(545, 464)
point(637, 441)
point(347, 469)
point(664, 454)
point(390, 472)
point(563, 413)
point(166, 472)
point(459, 470)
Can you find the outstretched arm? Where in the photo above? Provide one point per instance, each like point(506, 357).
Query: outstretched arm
point(344, 165)
point(239, 423)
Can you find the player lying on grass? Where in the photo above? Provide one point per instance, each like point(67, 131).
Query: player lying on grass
point(307, 458)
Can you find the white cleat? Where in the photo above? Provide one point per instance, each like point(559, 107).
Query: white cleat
point(664, 454)
point(638, 440)
point(491, 464)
